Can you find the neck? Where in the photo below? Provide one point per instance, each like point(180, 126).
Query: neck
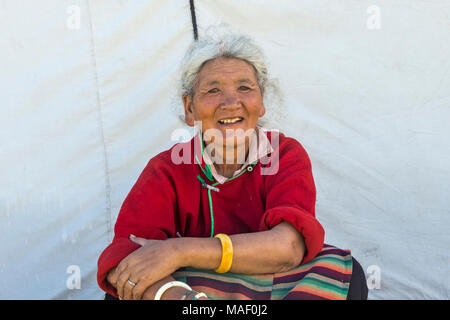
point(227, 170)
point(227, 160)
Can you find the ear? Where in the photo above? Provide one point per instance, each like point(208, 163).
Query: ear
point(188, 110)
point(262, 111)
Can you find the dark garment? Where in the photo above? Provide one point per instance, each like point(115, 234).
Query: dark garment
point(358, 285)
point(110, 297)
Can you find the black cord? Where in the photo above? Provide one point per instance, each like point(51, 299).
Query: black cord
point(194, 20)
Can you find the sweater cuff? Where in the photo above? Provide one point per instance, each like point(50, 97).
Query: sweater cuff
point(110, 258)
point(305, 223)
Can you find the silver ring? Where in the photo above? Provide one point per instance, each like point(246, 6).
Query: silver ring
point(131, 283)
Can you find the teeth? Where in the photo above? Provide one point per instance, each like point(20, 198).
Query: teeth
point(233, 120)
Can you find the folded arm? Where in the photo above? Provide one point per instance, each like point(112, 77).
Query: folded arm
point(289, 233)
point(272, 251)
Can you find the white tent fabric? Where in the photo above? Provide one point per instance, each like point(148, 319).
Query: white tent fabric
point(88, 91)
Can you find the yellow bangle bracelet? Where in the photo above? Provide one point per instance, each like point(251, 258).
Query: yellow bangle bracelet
point(227, 253)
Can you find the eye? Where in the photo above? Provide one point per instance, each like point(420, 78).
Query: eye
point(244, 88)
point(213, 90)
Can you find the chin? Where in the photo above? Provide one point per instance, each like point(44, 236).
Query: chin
point(229, 135)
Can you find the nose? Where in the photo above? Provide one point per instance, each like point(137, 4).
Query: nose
point(230, 100)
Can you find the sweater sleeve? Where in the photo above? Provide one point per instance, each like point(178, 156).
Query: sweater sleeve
point(147, 212)
point(291, 197)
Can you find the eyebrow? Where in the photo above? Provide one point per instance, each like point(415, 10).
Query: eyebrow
point(244, 80)
point(211, 83)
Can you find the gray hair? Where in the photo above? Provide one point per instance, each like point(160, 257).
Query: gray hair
point(222, 42)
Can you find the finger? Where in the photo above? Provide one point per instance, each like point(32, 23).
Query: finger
point(121, 267)
point(139, 289)
point(140, 241)
point(143, 281)
point(122, 282)
point(111, 277)
point(128, 289)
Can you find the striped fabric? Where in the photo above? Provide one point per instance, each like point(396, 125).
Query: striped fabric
point(325, 277)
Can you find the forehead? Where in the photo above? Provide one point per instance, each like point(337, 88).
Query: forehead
point(223, 69)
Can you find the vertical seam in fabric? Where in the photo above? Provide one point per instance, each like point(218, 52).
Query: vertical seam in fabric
point(101, 129)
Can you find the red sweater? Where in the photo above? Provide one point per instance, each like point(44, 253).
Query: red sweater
point(169, 198)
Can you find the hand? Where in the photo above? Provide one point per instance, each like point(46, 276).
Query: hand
point(155, 260)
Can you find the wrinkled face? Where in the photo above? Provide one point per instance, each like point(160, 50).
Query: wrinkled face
point(226, 98)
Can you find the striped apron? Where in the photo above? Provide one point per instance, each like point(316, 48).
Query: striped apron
point(327, 276)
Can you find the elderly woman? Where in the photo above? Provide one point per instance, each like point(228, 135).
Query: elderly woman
point(231, 213)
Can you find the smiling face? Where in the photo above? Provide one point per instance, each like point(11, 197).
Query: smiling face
point(226, 97)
